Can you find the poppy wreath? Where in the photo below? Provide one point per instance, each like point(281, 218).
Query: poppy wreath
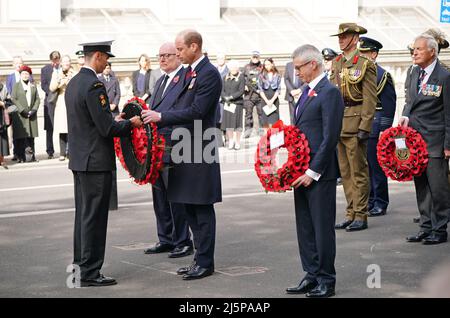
point(143, 162)
point(273, 178)
point(402, 164)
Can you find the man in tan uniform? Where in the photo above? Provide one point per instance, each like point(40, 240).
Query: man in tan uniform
point(356, 77)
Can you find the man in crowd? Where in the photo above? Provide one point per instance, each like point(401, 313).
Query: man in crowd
point(293, 84)
point(252, 98)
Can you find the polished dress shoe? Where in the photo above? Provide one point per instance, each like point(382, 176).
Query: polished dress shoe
point(185, 269)
point(181, 251)
point(198, 272)
point(435, 239)
point(305, 286)
point(159, 248)
point(416, 220)
point(321, 291)
point(376, 211)
point(356, 225)
point(343, 224)
point(99, 281)
point(418, 237)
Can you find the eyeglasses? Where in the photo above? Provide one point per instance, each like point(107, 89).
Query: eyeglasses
point(298, 67)
point(166, 56)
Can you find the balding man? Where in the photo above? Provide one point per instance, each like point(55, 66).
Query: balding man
point(173, 230)
point(194, 179)
point(428, 111)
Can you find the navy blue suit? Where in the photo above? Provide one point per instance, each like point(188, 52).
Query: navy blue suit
point(195, 181)
point(170, 217)
point(320, 119)
point(384, 116)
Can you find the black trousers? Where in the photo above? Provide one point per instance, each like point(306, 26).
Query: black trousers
point(171, 221)
point(92, 192)
point(433, 196)
point(63, 144)
point(49, 142)
point(251, 102)
point(315, 214)
point(202, 221)
point(379, 193)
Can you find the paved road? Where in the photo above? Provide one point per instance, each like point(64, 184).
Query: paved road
point(256, 249)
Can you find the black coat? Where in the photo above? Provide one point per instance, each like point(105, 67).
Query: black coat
point(91, 126)
point(112, 90)
point(196, 181)
point(137, 93)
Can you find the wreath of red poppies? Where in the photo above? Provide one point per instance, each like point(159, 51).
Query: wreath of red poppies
point(273, 178)
point(143, 163)
point(402, 164)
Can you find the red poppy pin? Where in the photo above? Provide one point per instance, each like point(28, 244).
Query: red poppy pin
point(176, 79)
point(312, 93)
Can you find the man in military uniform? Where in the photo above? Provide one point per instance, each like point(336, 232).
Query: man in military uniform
point(384, 116)
point(92, 160)
point(251, 96)
point(355, 75)
point(328, 56)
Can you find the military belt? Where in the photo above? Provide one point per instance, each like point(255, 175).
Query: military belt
point(350, 103)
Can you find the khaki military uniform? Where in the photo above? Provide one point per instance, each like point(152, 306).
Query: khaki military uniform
point(357, 80)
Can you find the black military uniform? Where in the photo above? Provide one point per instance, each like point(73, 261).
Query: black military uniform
point(384, 116)
point(92, 161)
point(251, 97)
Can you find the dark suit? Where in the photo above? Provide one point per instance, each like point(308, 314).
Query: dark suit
point(170, 217)
point(320, 119)
point(112, 87)
point(292, 82)
point(195, 181)
point(136, 91)
point(430, 116)
point(49, 109)
point(92, 161)
point(384, 116)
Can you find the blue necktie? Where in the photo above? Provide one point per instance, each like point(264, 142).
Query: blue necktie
point(301, 101)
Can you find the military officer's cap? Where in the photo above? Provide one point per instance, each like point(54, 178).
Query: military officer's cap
point(104, 47)
point(79, 53)
point(367, 44)
point(350, 28)
point(256, 53)
point(328, 54)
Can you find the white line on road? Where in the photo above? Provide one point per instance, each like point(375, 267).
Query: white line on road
point(51, 186)
point(34, 213)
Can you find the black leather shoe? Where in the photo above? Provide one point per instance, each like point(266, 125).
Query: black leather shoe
point(418, 237)
point(321, 291)
point(181, 251)
point(416, 220)
point(303, 287)
point(184, 270)
point(15, 158)
point(434, 239)
point(198, 272)
point(343, 224)
point(159, 248)
point(99, 281)
point(356, 225)
point(376, 211)
point(50, 157)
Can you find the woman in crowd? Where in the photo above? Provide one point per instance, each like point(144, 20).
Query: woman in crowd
point(233, 100)
point(141, 78)
point(25, 125)
point(58, 84)
point(269, 86)
point(4, 123)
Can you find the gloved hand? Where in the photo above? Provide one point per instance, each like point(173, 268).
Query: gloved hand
point(362, 136)
point(227, 99)
point(32, 113)
point(24, 114)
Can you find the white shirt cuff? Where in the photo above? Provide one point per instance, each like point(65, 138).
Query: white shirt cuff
point(316, 176)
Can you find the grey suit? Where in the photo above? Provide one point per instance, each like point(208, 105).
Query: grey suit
point(292, 82)
point(430, 116)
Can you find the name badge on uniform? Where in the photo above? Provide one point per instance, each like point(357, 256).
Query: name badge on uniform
point(191, 84)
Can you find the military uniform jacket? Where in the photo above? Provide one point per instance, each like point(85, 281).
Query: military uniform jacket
point(251, 74)
point(356, 78)
point(90, 124)
point(195, 180)
point(387, 102)
point(429, 110)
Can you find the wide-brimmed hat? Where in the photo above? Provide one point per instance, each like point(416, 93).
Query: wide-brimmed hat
point(350, 28)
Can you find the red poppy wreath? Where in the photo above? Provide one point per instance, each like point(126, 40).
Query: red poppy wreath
point(402, 153)
point(143, 162)
point(272, 177)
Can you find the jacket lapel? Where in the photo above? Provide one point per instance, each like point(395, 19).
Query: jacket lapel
point(158, 85)
point(433, 79)
point(310, 98)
